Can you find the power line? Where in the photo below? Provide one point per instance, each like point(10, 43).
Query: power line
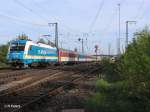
point(97, 15)
point(139, 9)
point(58, 20)
point(30, 10)
point(110, 23)
point(20, 20)
point(64, 28)
point(142, 15)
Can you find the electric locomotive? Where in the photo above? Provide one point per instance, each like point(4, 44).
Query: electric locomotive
point(24, 53)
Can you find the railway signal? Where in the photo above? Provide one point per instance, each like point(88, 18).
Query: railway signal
point(81, 39)
point(96, 49)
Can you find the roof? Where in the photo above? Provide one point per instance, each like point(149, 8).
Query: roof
point(19, 41)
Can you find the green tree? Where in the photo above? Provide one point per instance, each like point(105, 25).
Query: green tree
point(136, 61)
point(130, 92)
point(135, 69)
point(3, 53)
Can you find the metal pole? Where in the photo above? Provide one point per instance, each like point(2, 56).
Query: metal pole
point(109, 48)
point(61, 44)
point(56, 35)
point(119, 31)
point(82, 46)
point(127, 33)
point(96, 55)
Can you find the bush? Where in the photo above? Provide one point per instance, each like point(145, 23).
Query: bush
point(109, 70)
point(126, 85)
point(102, 85)
point(3, 54)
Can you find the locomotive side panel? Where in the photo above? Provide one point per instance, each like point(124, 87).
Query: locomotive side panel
point(40, 54)
point(36, 53)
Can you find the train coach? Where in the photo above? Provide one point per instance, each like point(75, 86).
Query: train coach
point(67, 56)
point(72, 57)
point(26, 53)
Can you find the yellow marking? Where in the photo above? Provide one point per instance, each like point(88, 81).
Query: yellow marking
point(41, 57)
point(68, 59)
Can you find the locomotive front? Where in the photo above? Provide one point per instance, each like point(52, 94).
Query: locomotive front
point(15, 54)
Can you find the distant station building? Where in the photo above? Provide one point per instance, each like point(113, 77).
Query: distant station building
point(101, 56)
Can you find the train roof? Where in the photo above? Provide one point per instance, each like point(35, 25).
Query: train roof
point(71, 51)
point(19, 41)
point(32, 42)
point(66, 50)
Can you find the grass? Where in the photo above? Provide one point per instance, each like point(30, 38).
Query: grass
point(3, 65)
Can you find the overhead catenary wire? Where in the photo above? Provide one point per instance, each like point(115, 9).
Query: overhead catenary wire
point(20, 20)
point(65, 27)
point(139, 9)
point(142, 16)
point(30, 10)
point(107, 29)
point(97, 15)
point(110, 22)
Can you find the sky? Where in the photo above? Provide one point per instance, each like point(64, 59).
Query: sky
point(96, 21)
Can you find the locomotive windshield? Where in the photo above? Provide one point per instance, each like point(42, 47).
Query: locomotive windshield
point(17, 47)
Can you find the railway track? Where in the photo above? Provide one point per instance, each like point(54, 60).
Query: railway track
point(50, 93)
point(14, 75)
point(31, 81)
point(28, 96)
point(20, 98)
point(5, 68)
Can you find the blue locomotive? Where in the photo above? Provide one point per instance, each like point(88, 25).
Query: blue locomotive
point(23, 53)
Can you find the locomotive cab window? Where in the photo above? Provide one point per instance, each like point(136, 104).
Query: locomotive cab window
point(17, 47)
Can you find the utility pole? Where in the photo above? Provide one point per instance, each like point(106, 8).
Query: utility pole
point(81, 39)
point(127, 31)
point(96, 49)
point(109, 49)
point(118, 30)
point(82, 47)
point(61, 44)
point(56, 38)
point(56, 33)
